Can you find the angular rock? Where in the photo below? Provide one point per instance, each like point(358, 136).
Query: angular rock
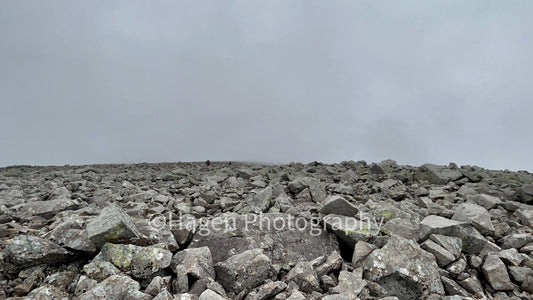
point(453, 288)
point(210, 295)
point(351, 230)
point(46, 292)
point(304, 276)
point(487, 201)
point(113, 225)
point(525, 216)
point(244, 271)
point(71, 234)
point(337, 205)
point(100, 270)
point(473, 241)
point(25, 251)
point(442, 255)
point(361, 251)
point(476, 215)
point(496, 273)
point(525, 193)
point(350, 283)
point(197, 262)
point(440, 174)
point(403, 228)
point(267, 290)
point(48, 209)
point(450, 243)
point(114, 287)
point(333, 262)
point(404, 269)
point(140, 262)
point(284, 238)
point(158, 284)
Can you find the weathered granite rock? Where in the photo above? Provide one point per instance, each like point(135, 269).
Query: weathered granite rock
point(197, 262)
point(473, 241)
point(351, 230)
point(26, 251)
point(267, 290)
point(113, 225)
point(496, 273)
point(439, 174)
point(404, 269)
point(284, 238)
point(476, 215)
point(71, 234)
point(337, 205)
point(350, 283)
point(49, 208)
point(304, 276)
point(140, 262)
point(115, 287)
point(244, 271)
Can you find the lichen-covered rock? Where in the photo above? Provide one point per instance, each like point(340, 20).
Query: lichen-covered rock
point(140, 262)
point(404, 269)
point(46, 292)
point(113, 225)
point(115, 287)
point(26, 250)
point(244, 271)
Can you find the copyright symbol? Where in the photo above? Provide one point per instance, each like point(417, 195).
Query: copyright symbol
point(158, 221)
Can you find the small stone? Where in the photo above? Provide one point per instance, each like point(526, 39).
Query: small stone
point(304, 276)
point(361, 250)
point(476, 215)
point(350, 283)
point(158, 284)
point(84, 284)
point(267, 290)
point(442, 255)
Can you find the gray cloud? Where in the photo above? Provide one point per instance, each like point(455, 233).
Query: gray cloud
point(278, 81)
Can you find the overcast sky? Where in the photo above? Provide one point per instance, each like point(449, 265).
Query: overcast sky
point(276, 81)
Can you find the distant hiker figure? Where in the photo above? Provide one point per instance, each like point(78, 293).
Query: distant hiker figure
point(208, 162)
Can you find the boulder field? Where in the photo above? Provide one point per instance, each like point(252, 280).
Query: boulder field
point(237, 230)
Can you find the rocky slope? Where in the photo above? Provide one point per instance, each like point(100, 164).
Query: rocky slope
point(249, 231)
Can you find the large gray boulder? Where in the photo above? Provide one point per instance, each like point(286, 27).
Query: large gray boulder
point(283, 237)
point(438, 174)
point(113, 225)
point(25, 251)
point(476, 215)
point(403, 269)
point(473, 241)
